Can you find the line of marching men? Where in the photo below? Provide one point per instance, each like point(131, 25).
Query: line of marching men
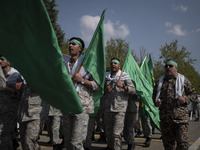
point(118, 110)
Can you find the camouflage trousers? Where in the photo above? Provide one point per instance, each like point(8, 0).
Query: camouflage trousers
point(29, 132)
point(114, 124)
point(75, 128)
point(174, 134)
point(131, 118)
point(8, 122)
point(53, 126)
point(7, 133)
point(146, 124)
point(91, 126)
point(129, 127)
point(99, 120)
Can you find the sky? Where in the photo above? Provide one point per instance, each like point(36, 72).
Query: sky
point(144, 24)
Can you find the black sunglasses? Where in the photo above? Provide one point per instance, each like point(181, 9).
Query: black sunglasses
point(170, 66)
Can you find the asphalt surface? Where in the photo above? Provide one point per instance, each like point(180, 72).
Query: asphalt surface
point(156, 143)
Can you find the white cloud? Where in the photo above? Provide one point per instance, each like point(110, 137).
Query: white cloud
point(175, 29)
point(180, 8)
point(168, 24)
point(88, 25)
point(115, 30)
point(195, 30)
point(198, 30)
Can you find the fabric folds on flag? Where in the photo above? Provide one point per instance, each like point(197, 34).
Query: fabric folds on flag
point(29, 42)
point(143, 88)
point(150, 64)
point(94, 61)
point(146, 72)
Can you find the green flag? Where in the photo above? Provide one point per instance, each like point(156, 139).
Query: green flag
point(145, 70)
point(94, 60)
point(29, 42)
point(150, 64)
point(143, 88)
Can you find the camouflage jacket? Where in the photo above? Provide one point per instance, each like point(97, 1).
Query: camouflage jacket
point(9, 101)
point(2, 80)
point(132, 100)
point(54, 111)
point(117, 99)
point(85, 94)
point(32, 106)
point(170, 107)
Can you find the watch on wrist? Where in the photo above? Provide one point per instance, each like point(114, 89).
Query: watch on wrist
point(83, 81)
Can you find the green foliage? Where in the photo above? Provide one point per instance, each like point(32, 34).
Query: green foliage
point(116, 48)
point(65, 47)
point(170, 51)
point(158, 69)
point(182, 57)
point(53, 13)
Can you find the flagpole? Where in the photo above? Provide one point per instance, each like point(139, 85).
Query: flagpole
point(78, 71)
point(80, 68)
point(121, 75)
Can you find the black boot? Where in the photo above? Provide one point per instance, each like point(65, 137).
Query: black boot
point(107, 148)
point(153, 130)
point(57, 147)
point(102, 137)
point(139, 132)
point(93, 138)
point(131, 147)
point(147, 142)
point(15, 144)
point(87, 148)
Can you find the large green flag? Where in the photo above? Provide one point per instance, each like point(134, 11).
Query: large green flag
point(143, 88)
point(146, 72)
point(150, 64)
point(29, 42)
point(94, 61)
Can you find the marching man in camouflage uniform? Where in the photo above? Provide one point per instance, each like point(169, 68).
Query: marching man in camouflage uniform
point(117, 88)
point(75, 125)
point(53, 124)
point(130, 120)
point(172, 93)
point(33, 111)
point(2, 80)
point(9, 102)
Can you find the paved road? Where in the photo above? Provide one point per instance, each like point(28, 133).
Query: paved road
point(156, 144)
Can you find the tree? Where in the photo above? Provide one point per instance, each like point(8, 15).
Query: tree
point(142, 54)
point(171, 52)
point(116, 48)
point(182, 57)
point(50, 5)
point(158, 69)
point(65, 47)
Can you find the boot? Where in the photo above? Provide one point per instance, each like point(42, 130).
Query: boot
point(15, 144)
point(102, 137)
point(93, 138)
point(147, 142)
point(131, 147)
point(107, 148)
point(57, 147)
point(153, 130)
point(139, 132)
point(87, 149)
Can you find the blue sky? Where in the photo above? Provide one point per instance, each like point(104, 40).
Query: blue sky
point(144, 24)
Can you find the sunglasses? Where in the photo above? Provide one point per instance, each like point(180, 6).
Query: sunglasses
point(170, 66)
